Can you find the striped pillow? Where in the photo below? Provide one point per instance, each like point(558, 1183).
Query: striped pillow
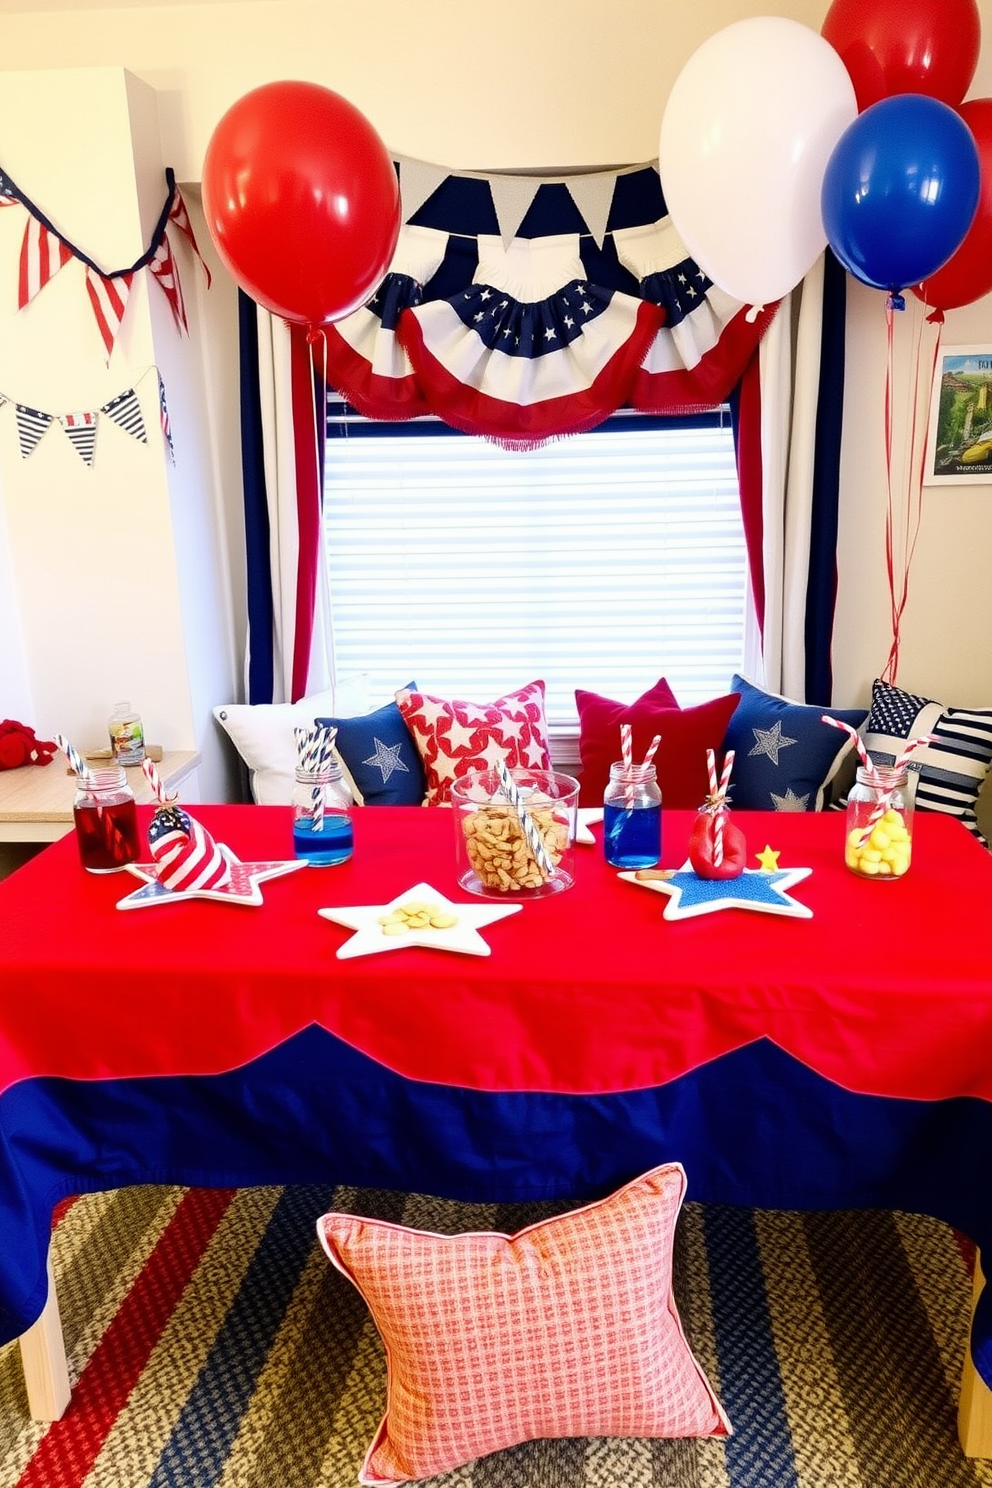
point(567, 1328)
point(945, 775)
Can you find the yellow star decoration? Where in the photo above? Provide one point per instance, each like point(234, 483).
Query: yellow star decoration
point(768, 859)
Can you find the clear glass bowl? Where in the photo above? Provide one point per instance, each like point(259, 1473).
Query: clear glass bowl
point(502, 852)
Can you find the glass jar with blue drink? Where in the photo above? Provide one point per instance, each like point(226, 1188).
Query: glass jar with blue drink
point(632, 817)
point(322, 826)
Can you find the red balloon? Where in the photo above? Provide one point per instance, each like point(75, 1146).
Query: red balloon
point(906, 46)
point(967, 274)
point(301, 200)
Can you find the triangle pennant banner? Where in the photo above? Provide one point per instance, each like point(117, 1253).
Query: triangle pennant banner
point(166, 273)
point(180, 217)
point(593, 195)
point(108, 297)
point(31, 426)
point(125, 411)
point(512, 196)
point(81, 429)
point(42, 255)
point(163, 414)
point(418, 182)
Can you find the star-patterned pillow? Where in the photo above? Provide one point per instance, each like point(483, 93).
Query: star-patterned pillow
point(455, 737)
point(378, 751)
point(785, 756)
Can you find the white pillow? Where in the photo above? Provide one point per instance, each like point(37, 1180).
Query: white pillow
point(262, 733)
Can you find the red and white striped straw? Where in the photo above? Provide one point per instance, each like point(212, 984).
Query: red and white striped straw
point(711, 772)
point(722, 798)
point(652, 751)
point(913, 744)
point(627, 756)
point(163, 796)
point(859, 743)
point(728, 765)
point(884, 801)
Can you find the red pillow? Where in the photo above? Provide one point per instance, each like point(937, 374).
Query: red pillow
point(686, 734)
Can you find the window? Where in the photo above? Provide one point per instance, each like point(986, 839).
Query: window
point(602, 561)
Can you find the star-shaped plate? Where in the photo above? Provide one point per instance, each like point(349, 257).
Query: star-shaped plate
point(586, 817)
point(241, 888)
point(755, 889)
point(463, 935)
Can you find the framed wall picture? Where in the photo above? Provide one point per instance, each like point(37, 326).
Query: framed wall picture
point(959, 441)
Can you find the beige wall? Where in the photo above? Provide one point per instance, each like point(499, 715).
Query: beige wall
point(545, 85)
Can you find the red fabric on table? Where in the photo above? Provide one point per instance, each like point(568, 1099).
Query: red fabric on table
point(887, 990)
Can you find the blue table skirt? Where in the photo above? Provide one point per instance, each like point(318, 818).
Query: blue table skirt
point(755, 1128)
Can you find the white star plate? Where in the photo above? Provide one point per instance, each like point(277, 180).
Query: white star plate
point(755, 889)
point(463, 936)
point(242, 888)
point(586, 817)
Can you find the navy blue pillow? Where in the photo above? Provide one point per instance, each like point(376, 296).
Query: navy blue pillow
point(381, 756)
point(785, 756)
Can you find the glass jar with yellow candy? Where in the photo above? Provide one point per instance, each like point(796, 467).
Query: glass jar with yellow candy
point(879, 841)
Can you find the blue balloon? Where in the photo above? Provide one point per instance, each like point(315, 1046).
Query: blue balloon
point(900, 190)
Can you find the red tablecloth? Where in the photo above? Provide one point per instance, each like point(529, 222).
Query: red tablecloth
point(886, 990)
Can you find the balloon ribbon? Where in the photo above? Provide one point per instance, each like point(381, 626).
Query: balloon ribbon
point(913, 508)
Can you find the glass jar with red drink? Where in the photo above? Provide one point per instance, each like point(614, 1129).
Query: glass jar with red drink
point(106, 821)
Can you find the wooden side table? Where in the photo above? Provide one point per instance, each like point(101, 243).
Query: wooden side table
point(36, 800)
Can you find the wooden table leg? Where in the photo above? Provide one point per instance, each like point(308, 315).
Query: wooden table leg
point(975, 1406)
point(46, 1373)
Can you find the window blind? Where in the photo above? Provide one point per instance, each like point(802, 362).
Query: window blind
point(602, 561)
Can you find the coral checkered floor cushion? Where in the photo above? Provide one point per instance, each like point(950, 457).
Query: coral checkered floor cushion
point(567, 1328)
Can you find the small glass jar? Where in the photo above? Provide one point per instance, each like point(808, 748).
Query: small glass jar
point(632, 817)
point(879, 842)
point(322, 827)
point(515, 849)
point(127, 736)
point(106, 821)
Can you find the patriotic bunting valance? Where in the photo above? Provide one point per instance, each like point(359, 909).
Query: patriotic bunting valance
point(45, 250)
point(80, 426)
point(527, 307)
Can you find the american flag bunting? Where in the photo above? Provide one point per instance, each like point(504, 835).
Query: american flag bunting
point(125, 411)
point(166, 271)
point(81, 431)
point(164, 419)
point(108, 296)
point(180, 217)
point(43, 253)
point(31, 426)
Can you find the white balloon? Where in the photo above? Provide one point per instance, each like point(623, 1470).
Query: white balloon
point(747, 132)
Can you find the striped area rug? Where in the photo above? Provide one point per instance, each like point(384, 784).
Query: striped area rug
point(211, 1345)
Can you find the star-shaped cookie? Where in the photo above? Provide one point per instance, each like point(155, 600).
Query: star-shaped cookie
point(373, 934)
point(241, 888)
